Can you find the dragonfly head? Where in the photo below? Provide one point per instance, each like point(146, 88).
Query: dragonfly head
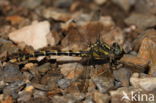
point(117, 50)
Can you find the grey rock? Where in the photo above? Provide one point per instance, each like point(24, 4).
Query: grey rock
point(125, 4)
point(104, 83)
point(39, 94)
point(51, 80)
point(8, 46)
point(10, 73)
point(31, 4)
point(44, 68)
point(89, 100)
point(68, 98)
point(142, 21)
point(64, 83)
point(24, 96)
point(146, 6)
point(123, 75)
point(2, 84)
point(101, 98)
point(63, 3)
point(13, 88)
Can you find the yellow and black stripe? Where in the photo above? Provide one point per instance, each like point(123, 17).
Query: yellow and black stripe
point(24, 57)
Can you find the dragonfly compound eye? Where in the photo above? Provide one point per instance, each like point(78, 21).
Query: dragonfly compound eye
point(116, 49)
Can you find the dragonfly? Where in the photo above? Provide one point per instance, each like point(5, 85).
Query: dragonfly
point(98, 51)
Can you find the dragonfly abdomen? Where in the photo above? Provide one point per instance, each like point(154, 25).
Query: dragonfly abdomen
point(23, 57)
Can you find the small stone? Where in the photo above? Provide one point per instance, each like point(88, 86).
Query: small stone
point(15, 19)
point(68, 98)
point(56, 14)
point(24, 96)
point(13, 88)
point(147, 49)
point(39, 94)
point(146, 83)
point(44, 68)
point(100, 2)
point(63, 3)
point(27, 76)
point(8, 99)
point(29, 88)
point(10, 73)
point(2, 85)
point(134, 61)
point(34, 35)
point(64, 83)
point(122, 75)
point(71, 70)
point(104, 83)
point(114, 35)
point(51, 79)
point(7, 46)
point(142, 21)
point(31, 4)
point(101, 98)
point(145, 6)
point(89, 100)
point(125, 4)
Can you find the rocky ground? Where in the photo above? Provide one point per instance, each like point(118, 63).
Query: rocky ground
point(31, 25)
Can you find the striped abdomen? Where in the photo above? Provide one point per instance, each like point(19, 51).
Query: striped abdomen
point(23, 57)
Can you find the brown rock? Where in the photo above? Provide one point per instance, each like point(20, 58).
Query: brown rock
point(134, 61)
point(146, 6)
point(142, 21)
point(71, 70)
point(101, 98)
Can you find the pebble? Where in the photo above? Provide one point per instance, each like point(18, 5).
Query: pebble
point(51, 80)
point(142, 21)
point(31, 4)
point(103, 84)
point(101, 98)
point(2, 85)
point(123, 75)
point(146, 83)
point(7, 46)
point(10, 73)
point(148, 48)
point(39, 94)
point(135, 62)
point(44, 68)
point(146, 6)
point(13, 88)
point(34, 35)
point(125, 4)
point(64, 83)
point(100, 2)
point(68, 98)
point(24, 96)
point(63, 3)
point(71, 70)
point(114, 35)
point(56, 14)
